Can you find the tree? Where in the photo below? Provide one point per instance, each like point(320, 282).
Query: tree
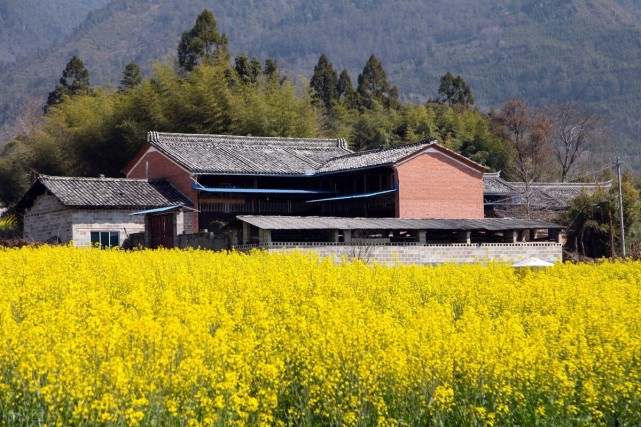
point(74, 81)
point(271, 68)
point(574, 132)
point(202, 44)
point(345, 91)
point(374, 87)
point(131, 77)
point(455, 91)
point(593, 230)
point(528, 134)
point(323, 84)
point(248, 70)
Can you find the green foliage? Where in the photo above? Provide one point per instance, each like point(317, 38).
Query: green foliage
point(202, 44)
point(324, 84)
point(373, 86)
point(131, 77)
point(584, 51)
point(74, 81)
point(593, 225)
point(248, 70)
point(345, 91)
point(455, 91)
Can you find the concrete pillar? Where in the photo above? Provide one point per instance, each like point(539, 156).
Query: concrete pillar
point(334, 236)
point(246, 233)
point(347, 236)
point(556, 235)
point(464, 236)
point(511, 236)
point(422, 237)
point(264, 237)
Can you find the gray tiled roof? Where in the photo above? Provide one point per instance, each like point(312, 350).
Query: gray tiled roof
point(370, 158)
point(565, 191)
point(340, 223)
point(493, 184)
point(542, 194)
point(112, 192)
point(247, 154)
point(387, 156)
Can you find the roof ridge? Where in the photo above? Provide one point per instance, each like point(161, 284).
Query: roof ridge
point(381, 150)
point(156, 137)
point(92, 178)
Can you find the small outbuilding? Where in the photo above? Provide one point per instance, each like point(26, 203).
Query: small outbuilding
point(88, 211)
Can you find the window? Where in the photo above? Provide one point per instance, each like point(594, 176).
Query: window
point(106, 239)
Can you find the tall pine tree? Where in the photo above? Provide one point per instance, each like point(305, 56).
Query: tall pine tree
point(74, 81)
point(323, 85)
point(455, 91)
point(202, 44)
point(131, 77)
point(374, 87)
point(346, 93)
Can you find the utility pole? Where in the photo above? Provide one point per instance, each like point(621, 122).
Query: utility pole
point(618, 165)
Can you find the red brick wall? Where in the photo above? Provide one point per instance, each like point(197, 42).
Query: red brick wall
point(432, 185)
point(161, 167)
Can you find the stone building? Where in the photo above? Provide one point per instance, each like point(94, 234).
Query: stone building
point(100, 210)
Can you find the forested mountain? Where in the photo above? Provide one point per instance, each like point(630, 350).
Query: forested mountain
point(29, 25)
point(538, 50)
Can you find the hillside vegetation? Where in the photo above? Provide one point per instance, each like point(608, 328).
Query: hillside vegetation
point(541, 51)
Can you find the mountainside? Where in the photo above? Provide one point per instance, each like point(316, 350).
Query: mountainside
point(538, 50)
point(29, 25)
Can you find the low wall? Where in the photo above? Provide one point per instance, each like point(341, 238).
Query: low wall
point(214, 242)
point(427, 254)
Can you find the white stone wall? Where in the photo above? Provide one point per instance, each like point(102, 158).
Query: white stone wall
point(87, 220)
point(432, 254)
point(47, 221)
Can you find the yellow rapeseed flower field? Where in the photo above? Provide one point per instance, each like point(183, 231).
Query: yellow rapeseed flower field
point(191, 338)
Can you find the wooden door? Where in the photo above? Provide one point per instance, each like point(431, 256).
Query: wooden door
point(162, 230)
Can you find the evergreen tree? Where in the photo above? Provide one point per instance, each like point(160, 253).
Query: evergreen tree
point(131, 77)
point(248, 70)
point(455, 91)
point(324, 82)
point(202, 43)
point(346, 93)
point(271, 68)
point(374, 87)
point(74, 81)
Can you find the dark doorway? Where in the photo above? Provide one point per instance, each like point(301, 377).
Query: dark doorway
point(162, 230)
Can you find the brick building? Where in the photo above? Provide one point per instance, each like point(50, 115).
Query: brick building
point(226, 176)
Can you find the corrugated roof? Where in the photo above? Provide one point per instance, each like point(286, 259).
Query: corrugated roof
point(340, 223)
point(106, 192)
point(247, 154)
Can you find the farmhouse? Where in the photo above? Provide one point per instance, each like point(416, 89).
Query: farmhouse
point(226, 176)
point(101, 210)
point(420, 199)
